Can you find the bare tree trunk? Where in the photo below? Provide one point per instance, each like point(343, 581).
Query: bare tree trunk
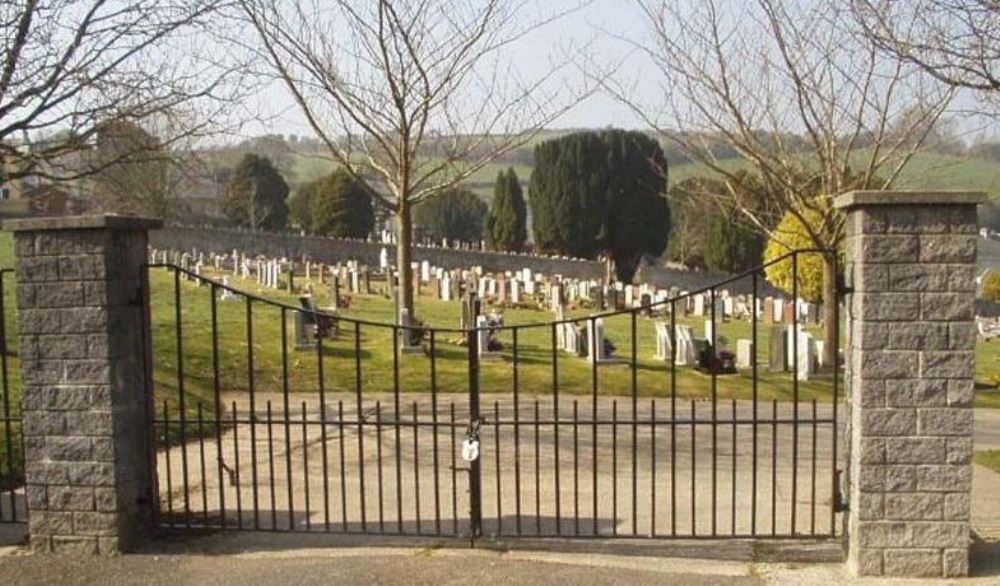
point(404, 238)
point(830, 314)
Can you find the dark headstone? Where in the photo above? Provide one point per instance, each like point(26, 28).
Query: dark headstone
point(778, 361)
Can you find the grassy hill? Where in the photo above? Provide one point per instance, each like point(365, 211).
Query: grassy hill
point(925, 171)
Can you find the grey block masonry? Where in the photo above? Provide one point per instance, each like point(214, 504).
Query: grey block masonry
point(88, 480)
point(911, 260)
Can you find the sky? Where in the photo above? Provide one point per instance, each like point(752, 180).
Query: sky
point(593, 24)
point(605, 28)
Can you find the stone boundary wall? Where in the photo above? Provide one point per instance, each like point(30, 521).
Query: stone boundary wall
point(334, 250)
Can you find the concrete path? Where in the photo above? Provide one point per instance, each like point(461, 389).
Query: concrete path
point(314, 477)
point(987, 430)
point(219, 559)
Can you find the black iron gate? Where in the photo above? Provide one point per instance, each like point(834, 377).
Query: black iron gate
point(13, 508)
point(355, 426)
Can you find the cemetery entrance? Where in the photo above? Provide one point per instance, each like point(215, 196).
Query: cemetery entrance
point(636, 412)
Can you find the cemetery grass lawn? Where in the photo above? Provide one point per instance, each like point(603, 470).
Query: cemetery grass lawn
point(339, 367)
point(990, 459)
point(535, 378)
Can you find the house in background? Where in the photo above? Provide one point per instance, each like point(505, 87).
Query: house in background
point(38, 194)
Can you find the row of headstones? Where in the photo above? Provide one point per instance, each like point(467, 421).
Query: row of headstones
point(388, 238)
point(784, 342)
point(588, 340)
point(509, 287)
point(769, 309)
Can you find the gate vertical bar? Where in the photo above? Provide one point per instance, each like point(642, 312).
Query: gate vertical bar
point(475, 472)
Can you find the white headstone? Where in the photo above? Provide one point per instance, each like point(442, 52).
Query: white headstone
point(595, 340)
point(806, 365)
point(226, 293)
point(446, 288)
point(685, 345)
point(569, 337)
point(744, 353)
point(482, 333)
point(728, 307)
point(663, 347)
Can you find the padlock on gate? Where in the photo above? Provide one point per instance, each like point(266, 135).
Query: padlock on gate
point(470, 449)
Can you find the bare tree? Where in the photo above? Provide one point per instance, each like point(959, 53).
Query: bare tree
point(140, 169)
point(811, 106)
point(72, 67)
point(956, 41)
point(384, 83)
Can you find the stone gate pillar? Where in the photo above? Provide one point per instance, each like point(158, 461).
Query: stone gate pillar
point(910, 272)
point(87, 440)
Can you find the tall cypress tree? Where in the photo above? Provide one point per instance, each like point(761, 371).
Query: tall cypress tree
point(600, 193)
point(506, 224)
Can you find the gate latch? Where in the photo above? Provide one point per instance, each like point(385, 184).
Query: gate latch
point(470, 447)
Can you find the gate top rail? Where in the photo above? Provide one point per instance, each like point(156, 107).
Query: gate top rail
point(607, 314)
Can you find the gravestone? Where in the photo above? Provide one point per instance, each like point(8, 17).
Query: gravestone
point(335, 291)
point(446, 294)
point(303, 339)
point(663, 346)
point(646, 303)
point(409, 339)
point(806, 365)
point(685, 354)
point(744, 353)
point(484, 338)
point(778, 361)
point(699, 305)
point(226, 293)
point(471, 308)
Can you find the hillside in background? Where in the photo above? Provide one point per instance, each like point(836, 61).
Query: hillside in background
point(948, 165)
point(925, 171)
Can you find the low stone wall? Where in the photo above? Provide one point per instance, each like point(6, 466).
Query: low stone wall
point(334, 250)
